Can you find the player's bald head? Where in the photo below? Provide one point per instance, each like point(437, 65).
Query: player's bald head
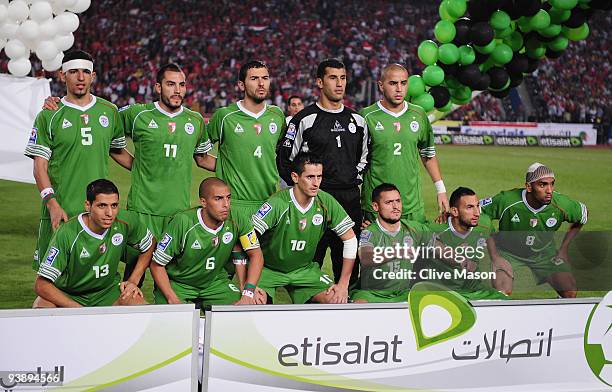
point(390, 68)
point(209, 185)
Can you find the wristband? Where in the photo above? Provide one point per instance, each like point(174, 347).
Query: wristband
point(440, 188)
point(239, 258)
point(48, 198)
point(46, 192)
point(250, 286)
point(248, 293)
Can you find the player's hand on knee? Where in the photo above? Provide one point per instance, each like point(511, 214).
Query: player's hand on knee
point(469, 265)
point(339, 294)
point(174, 300)
point(56, 213)
point(246, 300)
point(261, 297)
point(130, 290)
point(51, 103)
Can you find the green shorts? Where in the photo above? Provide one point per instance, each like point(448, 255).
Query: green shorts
point(156, 224)
point(220, 291)
point(245, 209)
point(542, 267)
point(417, 216)
point(483, 293)
point(302, 283)
point(105, 297)
point(45, 232)
point(380, 295)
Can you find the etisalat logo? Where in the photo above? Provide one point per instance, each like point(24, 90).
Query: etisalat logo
point(598, 340)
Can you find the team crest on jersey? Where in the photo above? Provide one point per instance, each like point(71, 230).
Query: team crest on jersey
point(103, 121)
point(287, 143)
point(163, 244)
point(153, 124)
point(352, 128)
point(84, 254)
point(66, 124)
point(53, 252)
point(117, 239)
point(238, 128)
point(550, 222)
point(272, 128)
point(33, 136)
point(338, 127)
point(533, 222)
point(171, 127)
point(515, 219)
point(102, 248)
point(85, 118)
point(227, 237)
point(317, 219)
point(215, 241)
point(414, 126)
point(486, 202)
point(264, 210)
point(189, 128)
point(409, 241)
point(302, 224)
point(291, 132)
point(379, 126)
point(482, 242)
point(196, 245)
point(365, 236)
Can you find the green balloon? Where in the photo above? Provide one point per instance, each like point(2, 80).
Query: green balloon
point(488, 48)
point(426, 101)
point(551, 31)
point(515, 41)
point(563, 4)
point(445, 31)
point(461, 93)
point(576, 34)
point(504, 33)
point(558, 44)
point(451, 82)
point(448, 54)
point(502, 54)
point(433, 75)
point(523, 24)
point(443, 11)
point(428, 52)
point(558, 16)
point(484, 67)
point(503, 88)
point(500, 20)
point(466, 55)
point(456, 8)
point(536, 53)
point(416, 86)
point(447, 107)
point(539, 21)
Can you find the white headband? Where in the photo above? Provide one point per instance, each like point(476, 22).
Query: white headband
point(77, 64)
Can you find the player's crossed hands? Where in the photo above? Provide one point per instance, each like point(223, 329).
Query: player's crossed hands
point(129, 290)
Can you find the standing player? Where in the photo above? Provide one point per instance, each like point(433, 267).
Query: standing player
point(189, 260)
point(527, 219)
point(247, 132)
point(294, 106)
point(80, 268)
point(339, 136)
point(70, 146)
point(465, 235)
point(386, 232)
point(291, 224)
point(400, 133)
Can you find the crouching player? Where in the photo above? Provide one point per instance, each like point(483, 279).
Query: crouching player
point(388, 279)
point(80, 266)
point(189, 260)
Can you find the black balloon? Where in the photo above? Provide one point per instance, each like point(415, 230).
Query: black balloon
point(576, 19)
point(482, 83)
point(479, 10)
point(601, 4)
point(499, 77)
point(511, 9)
point(468, 73)
point(528, 7)
point(552, 54)
point(480, 58)
point(541, 38)
point(532, 65)
point(518, 64)
point(500, 94)
point(515, 79)
point(449, 69)
point(441, 96)
point(481, 33)
point(462, 35)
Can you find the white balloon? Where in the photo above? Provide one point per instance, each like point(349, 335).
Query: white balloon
point(28, 30)
point(8, 30)
point(80, 6)
point(18, 10)
point(2, 43)
point(41, 11)
point(47, 29)
point(58, 6)
point(67, 22)
point(64, 42)
point(3, 13)
point(54, 64)
point(46, 50)
point(69, 3)
point(15, 49)
point(4, 2)
point(20, 66)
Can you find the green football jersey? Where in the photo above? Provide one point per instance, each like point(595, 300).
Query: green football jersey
point(247, 149)
point(164, 144)
point(528, 232)
point(290, 234)
point(76, 141)
point(80, 261)
point(397, 142)
point(195, 254)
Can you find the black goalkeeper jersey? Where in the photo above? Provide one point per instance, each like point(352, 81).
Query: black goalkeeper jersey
point(338, 137)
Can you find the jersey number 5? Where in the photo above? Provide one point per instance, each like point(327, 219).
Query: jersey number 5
point(87, 137)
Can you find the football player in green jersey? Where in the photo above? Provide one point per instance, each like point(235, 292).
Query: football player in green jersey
point(387, 279)
point(247, 132)
point(527, 219)
point(189, 260)
point(463, 242)
point(290, 224)
point(400, 134)
point(70, 146)
point(80, 267)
